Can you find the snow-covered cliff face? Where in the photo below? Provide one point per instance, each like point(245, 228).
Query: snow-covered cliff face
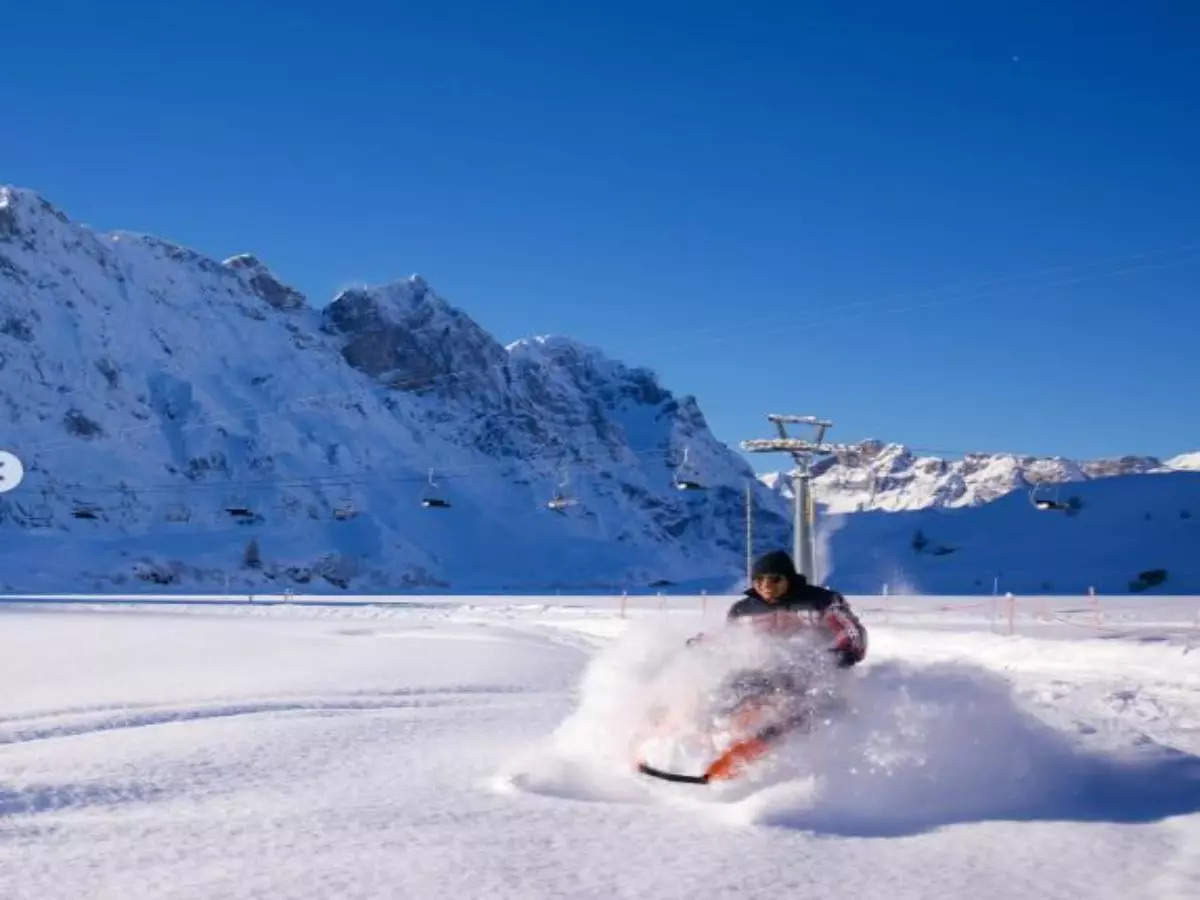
point(874, 475)
point(193, 423)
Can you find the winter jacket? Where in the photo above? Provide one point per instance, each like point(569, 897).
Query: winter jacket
point(807, 606)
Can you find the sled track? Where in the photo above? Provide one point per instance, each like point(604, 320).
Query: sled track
point(81, 721)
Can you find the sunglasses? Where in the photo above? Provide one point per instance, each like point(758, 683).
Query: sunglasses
point(770, 579)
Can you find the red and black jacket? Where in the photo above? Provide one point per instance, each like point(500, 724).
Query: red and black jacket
point(807, 606)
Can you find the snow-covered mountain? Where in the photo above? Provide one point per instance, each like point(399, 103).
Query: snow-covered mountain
point(1184, 462)
point(193, 424)
point(197, 423)
point(873, 475)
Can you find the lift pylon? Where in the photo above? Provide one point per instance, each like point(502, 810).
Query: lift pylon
point(802, 450)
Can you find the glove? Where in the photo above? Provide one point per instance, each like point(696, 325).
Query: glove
point(845, 658)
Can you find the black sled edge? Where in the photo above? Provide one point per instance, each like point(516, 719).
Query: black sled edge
point(671, 776)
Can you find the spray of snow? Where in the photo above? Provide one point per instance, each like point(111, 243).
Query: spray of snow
point(894, 748)
point(652, 693)
point(827, 527)
point(921, 747)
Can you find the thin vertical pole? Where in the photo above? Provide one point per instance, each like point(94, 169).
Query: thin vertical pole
point(749, 530)
point(802, 548)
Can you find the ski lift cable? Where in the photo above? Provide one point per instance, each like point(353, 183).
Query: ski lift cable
point(891, 310)
point(981, 291)
point(361, 476)
point(338, 479)
point(1125, 262)
point(1119, 259)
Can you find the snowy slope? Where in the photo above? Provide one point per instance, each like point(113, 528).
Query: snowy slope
point(194, 423)
point(461, 749)
point(189, 424)
point(1123, 526)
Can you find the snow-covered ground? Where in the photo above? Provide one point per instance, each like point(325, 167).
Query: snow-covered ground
point(467, 747)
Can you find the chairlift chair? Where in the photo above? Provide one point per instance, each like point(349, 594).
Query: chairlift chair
point(682, 480)
point(177, 513)
point(345, 510)
point(1046, 503)
point(561, 499)
point(431, 499)
point(84, 511)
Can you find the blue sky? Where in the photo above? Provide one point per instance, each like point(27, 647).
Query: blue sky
point(961, 229)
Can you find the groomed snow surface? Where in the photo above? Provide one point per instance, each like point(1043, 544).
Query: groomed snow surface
point(479, 747)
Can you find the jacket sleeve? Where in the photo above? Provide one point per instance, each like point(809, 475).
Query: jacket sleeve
point(849, 635)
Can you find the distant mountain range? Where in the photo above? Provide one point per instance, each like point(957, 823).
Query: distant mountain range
point(872, 475)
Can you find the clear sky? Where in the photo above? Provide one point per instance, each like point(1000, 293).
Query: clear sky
point(961, 226)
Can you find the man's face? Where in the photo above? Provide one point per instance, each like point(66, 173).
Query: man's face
point(771, 587)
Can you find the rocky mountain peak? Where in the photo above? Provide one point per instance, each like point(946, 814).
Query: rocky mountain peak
point(408, 338)
point(27, 218)
point(264, 284)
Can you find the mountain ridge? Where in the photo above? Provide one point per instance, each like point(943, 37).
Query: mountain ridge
point(172, 409)
point(873, 475)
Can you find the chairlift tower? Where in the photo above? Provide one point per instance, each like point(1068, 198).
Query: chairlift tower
point(802, 451)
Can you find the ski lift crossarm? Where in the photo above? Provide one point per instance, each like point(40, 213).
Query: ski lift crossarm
point(821, 425)
point(792, 445)
point(799, 420)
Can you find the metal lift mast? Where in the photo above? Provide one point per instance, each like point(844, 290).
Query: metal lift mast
point(802, 451)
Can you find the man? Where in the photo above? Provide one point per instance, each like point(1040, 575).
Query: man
point(782, 601)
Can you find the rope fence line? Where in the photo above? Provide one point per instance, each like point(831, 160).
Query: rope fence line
point(1020, 614)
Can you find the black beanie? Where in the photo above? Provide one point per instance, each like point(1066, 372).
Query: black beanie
point(777, 562)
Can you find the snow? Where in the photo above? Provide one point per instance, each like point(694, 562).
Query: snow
point(151, 390)
point(1113, 530)
point(159, 388)
point(1184, 461)
point(437, 746)
point(871, 475)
